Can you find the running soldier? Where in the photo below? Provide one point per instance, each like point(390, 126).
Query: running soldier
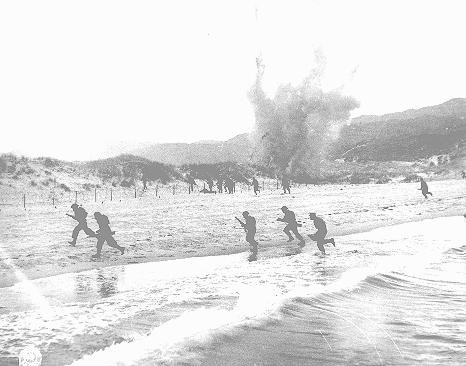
point(80, 216)
point(424, 188)
point(191, 183)
point(210, 183)
point(286, 184)
point(105, 234)
point(219, 185)
point(249, 227)
point(321, 233)
point(255, 185)
point(292, 225)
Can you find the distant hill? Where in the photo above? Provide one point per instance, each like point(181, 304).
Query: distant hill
point(129, 168)
point(405, 136)
point(237, 149)
point(51, 180)
point(453, 108)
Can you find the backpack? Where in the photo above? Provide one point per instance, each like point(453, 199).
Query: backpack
point(104, 220)
point(81, 213)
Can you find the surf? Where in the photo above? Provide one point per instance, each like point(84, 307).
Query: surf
point(208, 298)
point(263, 303)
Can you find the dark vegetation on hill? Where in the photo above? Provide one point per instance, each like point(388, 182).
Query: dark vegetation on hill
point(239, 172)
point(236, 149)
point(33, 172)
point(130, 171)
point(129, 168)
point(430, 140)
point(124, 170)
point(405, 140)
point(16, 166)
point(403, 136)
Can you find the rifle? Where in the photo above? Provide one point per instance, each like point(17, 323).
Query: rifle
point(99, 234)
point(298, 223)
point(73, 217)
point(242, 224)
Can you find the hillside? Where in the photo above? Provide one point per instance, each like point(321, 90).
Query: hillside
point(403, 136)
point(430, 141)
point(406, 136)
point(237, 149)
point(127, 169)
point(406, 140)
point(453, 108)
point(47, 180)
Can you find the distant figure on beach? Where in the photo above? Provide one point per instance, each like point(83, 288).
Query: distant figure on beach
point(191, 183)
point(286, 184)
point(80, 215)
point(255, 185)
point(210, 183)
point(105, 234)
point(230, 185)
point(144, 181)
point(219, 185)
point(249, 227)
point(292, 225)
point(463, 174)
point(424, 188)
point(321, 233)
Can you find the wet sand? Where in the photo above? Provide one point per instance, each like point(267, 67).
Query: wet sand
point(33, 242)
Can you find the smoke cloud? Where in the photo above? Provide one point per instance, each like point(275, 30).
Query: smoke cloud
point(294, 128)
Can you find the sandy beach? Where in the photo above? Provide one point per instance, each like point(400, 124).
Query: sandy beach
point(34, 241)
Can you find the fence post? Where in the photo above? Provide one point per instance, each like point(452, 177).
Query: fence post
point(53, 201)
point(24, 200)
point(157, 190)
point(174, 189)
point(95, 194)
point(76, 197)
point(111, 194)
point(135, 192)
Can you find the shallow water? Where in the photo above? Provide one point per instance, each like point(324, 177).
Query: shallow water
point(390, 319)
point(390, 296)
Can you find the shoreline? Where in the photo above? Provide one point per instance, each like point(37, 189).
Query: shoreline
point(9, 278)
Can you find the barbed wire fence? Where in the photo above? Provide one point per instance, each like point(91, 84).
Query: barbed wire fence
point(102, 194)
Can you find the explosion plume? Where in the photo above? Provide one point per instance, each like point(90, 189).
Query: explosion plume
point(293, 129)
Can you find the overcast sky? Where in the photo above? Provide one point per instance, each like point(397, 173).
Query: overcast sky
point(77, 77)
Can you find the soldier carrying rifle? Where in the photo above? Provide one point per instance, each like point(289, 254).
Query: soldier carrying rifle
point(249, 227)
